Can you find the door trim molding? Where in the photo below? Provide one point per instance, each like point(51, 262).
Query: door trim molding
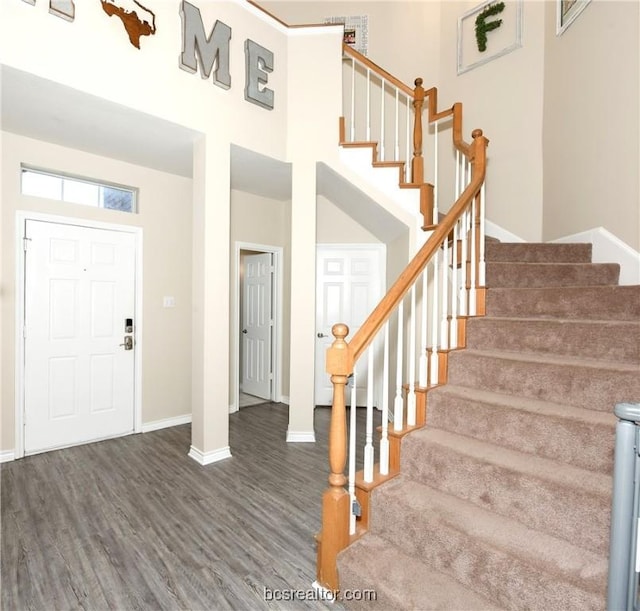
point(276, 348)
point(22, 216)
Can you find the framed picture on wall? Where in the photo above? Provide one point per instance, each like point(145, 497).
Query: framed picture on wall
point(488, 31)
point(566, 13)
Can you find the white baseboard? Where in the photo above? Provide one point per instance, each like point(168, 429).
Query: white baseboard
point(301, 436)
point(206, 458)
point(7, 455)
point(607, 248)
point(233, 408)
point(284, 399)
point(164, 423)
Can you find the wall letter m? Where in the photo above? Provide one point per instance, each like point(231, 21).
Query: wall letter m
point(212, 49)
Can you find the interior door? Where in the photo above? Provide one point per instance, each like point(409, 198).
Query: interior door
point(79, 297)
point(257, 324)
point(349, 284)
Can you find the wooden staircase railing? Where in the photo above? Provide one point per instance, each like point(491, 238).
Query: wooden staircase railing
point(420, 319)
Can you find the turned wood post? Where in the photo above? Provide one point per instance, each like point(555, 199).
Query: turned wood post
point(336, 501)
point(478, 154)
point(417, 163)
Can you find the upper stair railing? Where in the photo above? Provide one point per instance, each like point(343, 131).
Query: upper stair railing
point(401, 350)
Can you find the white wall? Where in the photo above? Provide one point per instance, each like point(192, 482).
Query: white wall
point(591, 123)
point(165, 218)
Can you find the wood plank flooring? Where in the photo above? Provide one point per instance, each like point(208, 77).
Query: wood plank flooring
point(133, 523)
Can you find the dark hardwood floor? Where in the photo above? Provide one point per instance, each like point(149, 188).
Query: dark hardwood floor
point(133, 523)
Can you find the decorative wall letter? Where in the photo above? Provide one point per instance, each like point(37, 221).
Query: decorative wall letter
point(258, 62)
point(61, 8)
point(482, 26)
point(211, 49)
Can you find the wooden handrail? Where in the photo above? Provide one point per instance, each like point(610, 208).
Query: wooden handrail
point(401, 286)
point(363, 59)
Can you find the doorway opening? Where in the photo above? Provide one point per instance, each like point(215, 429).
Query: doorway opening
point(257, 325)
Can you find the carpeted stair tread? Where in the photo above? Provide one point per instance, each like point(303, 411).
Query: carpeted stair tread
point(529, 275)
point(617, 340)
point(579, 303)
point(501, 558)
point(402, 581)
point(577, 436)
point(562, 500)
point(528, 252)
point(592, 384)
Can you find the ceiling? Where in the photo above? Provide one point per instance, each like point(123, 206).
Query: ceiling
point(45, 110)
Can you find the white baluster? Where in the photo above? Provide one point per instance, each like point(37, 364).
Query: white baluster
point(396, 148)
point(353, 99)
point(463, 262)
point(398, 405)
point(481, 268)
point(435, 180)
point(408, 156)
point(423, 362)
point(454, 289)
point(444, 323)
point(368, 138)
point(473, 259)
point(381, 157)
point(368, 447)
point(352, 451)
point(411, 394)
point(384, 440)
point(433, 370)
point(458, 170)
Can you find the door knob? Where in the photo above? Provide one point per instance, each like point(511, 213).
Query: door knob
point(128, 342)
point(244, 331)
point(321, 335)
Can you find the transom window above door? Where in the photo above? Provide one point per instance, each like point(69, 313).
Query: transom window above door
point(77, 190)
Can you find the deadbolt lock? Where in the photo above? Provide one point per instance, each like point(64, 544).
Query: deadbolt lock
point(128, 342)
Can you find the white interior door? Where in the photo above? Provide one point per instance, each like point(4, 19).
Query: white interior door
point(349, 284)
point(79, 291)
point(257, 325)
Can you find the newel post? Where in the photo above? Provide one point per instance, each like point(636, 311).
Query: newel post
point(417, 163)
point(479, 164)
point(335, 500)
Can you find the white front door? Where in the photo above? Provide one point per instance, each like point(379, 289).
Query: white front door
point(79, 297)
point(257, 325)
point(349, 284)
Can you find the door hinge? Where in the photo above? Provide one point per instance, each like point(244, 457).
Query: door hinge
point(25, 243)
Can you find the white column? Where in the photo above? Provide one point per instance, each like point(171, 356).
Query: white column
point(303, 311)
point(210, 277)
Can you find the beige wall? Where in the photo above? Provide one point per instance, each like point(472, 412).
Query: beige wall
point(263, 221)
point(504, 98)
point(336, 227)
point(404, 37)
point(165, 218)
point(591, 131)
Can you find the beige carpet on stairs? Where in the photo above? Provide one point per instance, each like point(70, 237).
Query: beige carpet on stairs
point(504, 497)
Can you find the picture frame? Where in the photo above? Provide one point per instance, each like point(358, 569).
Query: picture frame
point(567, 12)
point(505, 38)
